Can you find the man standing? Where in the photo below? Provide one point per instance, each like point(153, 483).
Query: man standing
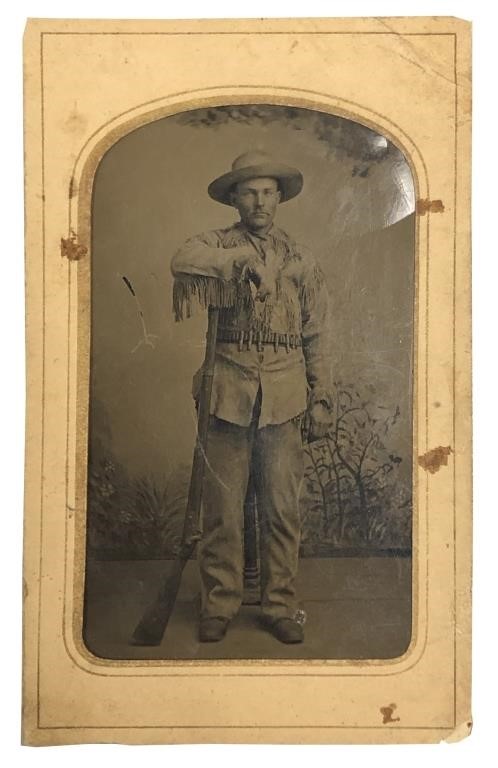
point(272, 370)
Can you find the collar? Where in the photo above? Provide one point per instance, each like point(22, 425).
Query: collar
point(272, 231)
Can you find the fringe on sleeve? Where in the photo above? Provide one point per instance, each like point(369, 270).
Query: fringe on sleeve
point(311, 287)
point(204, 291)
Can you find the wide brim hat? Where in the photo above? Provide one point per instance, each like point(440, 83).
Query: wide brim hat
point(253, 165)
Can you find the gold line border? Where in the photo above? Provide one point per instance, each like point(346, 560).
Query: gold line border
point(301, 32)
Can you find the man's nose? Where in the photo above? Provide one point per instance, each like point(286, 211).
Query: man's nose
point(260, 199)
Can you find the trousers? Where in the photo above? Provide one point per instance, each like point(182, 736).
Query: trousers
point(276, 453)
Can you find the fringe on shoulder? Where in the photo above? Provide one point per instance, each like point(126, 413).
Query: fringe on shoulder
point(191, 291)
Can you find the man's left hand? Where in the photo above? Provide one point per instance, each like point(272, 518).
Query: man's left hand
point(317, 421)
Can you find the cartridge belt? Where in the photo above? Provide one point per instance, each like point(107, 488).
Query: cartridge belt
point(245, 339)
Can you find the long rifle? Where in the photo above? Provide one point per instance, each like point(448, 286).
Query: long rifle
point(151, 628)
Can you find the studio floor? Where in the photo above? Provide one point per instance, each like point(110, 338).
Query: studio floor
point(356, 608)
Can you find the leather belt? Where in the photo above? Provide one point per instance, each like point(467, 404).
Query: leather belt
point(245, 339)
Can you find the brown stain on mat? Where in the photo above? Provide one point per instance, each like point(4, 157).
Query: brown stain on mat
point(429, 206)
point(433, 460)
point(75, 122)
point(71, 249)
point(387, 714)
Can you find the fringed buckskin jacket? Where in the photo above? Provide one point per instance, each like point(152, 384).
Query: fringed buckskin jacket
point(280, 345)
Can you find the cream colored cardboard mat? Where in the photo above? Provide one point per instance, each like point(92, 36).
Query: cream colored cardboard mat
point(89, 83)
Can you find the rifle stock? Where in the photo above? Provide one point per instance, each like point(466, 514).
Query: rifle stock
point(152, 626)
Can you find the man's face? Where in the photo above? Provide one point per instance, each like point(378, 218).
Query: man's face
point(256, 201)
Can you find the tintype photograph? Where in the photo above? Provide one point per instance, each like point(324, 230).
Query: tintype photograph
point(250, 413)
point(248, 454)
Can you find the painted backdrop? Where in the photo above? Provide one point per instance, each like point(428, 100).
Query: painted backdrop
point(356, 214)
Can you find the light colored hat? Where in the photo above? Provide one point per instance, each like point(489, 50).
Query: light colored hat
point(252, 165)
